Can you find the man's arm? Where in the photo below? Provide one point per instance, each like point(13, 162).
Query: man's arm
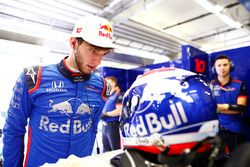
point(235, 108)
point(14, 128)
point(115, 112)
point(231, 109)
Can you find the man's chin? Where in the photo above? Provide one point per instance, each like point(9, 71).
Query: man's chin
point(87, 71)
point(225, 74)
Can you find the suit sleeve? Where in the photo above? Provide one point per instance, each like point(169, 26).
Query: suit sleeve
point(243, 90)
point(14, 128)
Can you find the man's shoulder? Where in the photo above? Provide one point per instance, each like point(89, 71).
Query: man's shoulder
point(35, 68)
point(236, 80)
point(97, 80)
point(95, 76)
point(33, 75)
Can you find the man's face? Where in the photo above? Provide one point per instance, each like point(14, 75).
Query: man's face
point(89, 56)
point(222, 67)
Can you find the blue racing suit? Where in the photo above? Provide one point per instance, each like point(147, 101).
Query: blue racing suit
point(228, 94)
point(62, 109)
point(110, 130)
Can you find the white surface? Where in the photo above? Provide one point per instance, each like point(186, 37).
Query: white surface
point(100, 160)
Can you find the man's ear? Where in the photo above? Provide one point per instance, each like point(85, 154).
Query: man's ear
point(73, 43)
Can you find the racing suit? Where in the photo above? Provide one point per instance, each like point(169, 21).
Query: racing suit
point(63, 108)
point(229, 93)
point(110, 129)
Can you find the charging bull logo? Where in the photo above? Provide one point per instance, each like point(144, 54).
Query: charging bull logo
point(157, 91)
point(105, 31)
point(66, 108)
point(106, 27)
point(63, 107)
point(82, 109)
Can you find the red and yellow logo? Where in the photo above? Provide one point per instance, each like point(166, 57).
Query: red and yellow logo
point(105, 27)
point(105, 31)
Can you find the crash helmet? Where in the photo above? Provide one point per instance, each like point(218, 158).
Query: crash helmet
point(168, 111)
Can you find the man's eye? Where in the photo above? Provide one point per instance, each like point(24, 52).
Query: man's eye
point(92, 50)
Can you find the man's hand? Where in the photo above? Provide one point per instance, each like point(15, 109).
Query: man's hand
point(222, 107)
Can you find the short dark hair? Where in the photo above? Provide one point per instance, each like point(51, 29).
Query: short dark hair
point(222, 56)
point(79, 40)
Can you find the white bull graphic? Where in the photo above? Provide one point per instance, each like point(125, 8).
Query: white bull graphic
point(82, 109)
point(63, 107)
point(66, 108)
point(155, 91)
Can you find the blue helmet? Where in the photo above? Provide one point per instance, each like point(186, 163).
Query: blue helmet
point(168, 108)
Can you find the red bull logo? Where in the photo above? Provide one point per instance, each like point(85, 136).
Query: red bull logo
point(82, 109)
point(105, 31)
point(79, 126)
point(65, 107)
point(106, 28)
point(156, 123)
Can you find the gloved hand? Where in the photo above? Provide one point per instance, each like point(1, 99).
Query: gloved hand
point(104, 115)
